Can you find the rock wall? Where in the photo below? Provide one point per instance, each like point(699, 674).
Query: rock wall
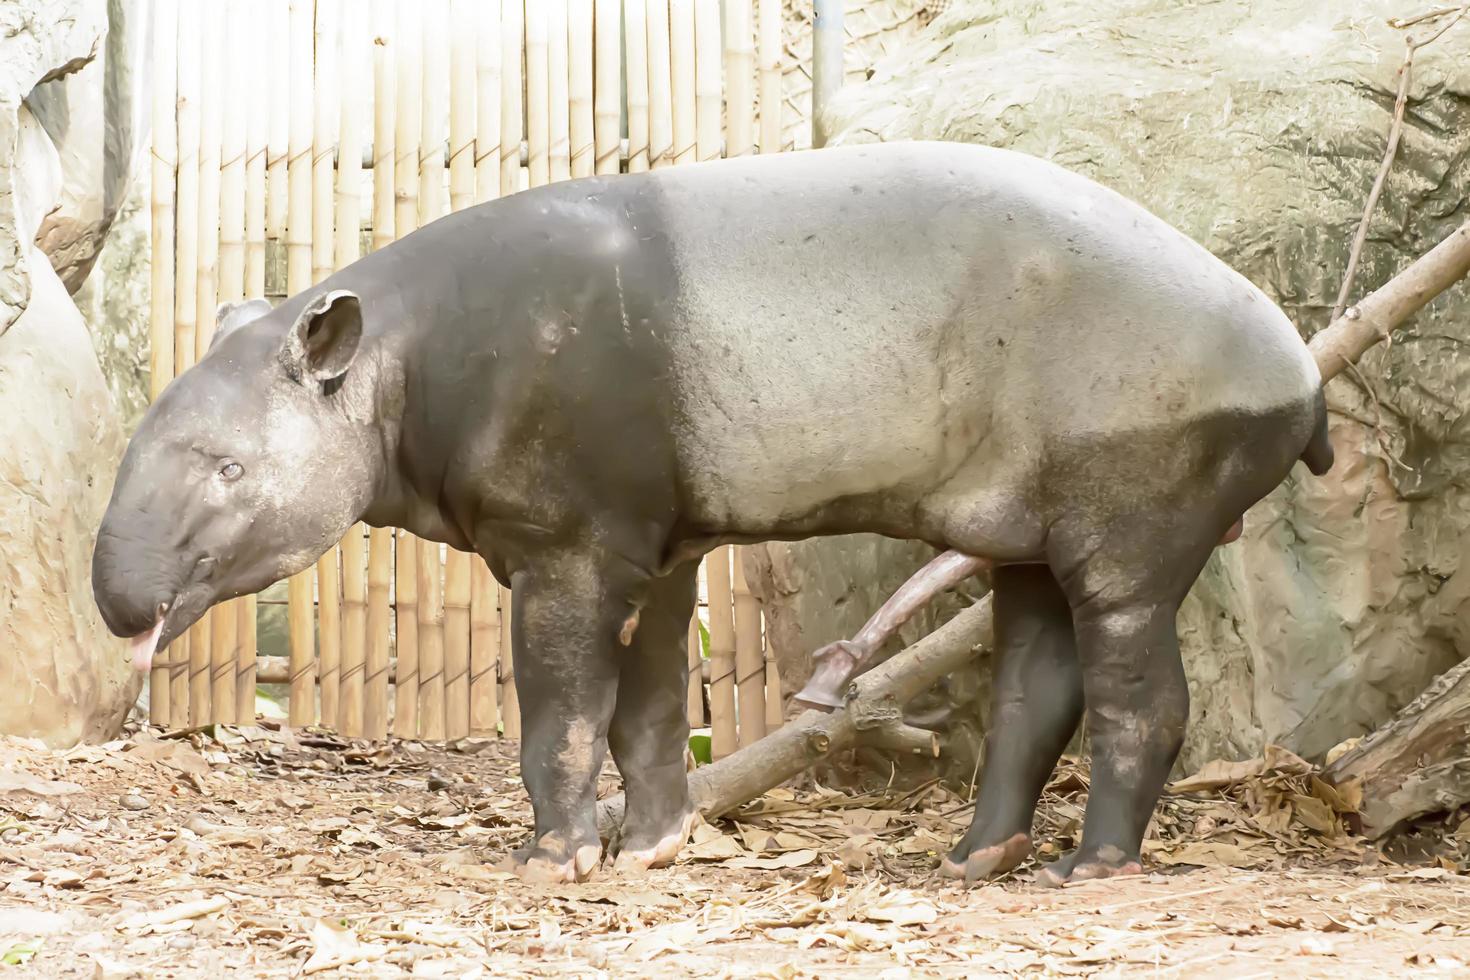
point(1257, 130)
point(63, 677)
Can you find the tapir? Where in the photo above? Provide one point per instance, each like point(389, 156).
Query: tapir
point(594, 383)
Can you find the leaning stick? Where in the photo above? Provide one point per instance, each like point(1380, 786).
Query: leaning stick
point(871, 710)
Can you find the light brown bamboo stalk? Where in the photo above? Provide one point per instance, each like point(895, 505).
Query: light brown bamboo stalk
point(352, 59)
point(660, 86)
point(707, 63)
point(739, 90)
point(406, 609)
point(257, 125)
point(607, 89)
point(161, 291)
point(721, 653)
point(558, 107)
point(278, 127)
point(327, 114)
point(235, 118)
point(484, 648)
point(487, 102)
point(380, 540)
point(696, 674)
point(750, 668)
point(186, 272)
point(769, 57)
point(406, 215)
point(462, 15)
point(512, 70)
point(682, 77)
point(204, 654)
point(579, 77)
point(431, 207)
point(434, 90)
point(379, 614)
point(510, 705)
point(302, 708)
point(431, 642)
point(254, 200)
point(457, 644)
point(635, 21)
point(538, 119)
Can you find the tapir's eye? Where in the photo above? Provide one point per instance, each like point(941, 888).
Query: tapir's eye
point(231, 471)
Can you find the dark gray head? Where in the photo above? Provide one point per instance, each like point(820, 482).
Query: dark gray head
point(248, 467)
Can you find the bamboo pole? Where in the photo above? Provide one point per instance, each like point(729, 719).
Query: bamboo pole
point(232, 157)
point(775, 713)
point(327, 106)
point(431, 207)
point(635, 20)
point(721, 653)
point(682, 77)
point(487, 103)
point(558, 106)
point(696, 674)
point(739, 86)
point(511, 72)
point(769, 55)
point(302, 708)
point(510, 705)
point(827, 38)
point(278, 126)
point(380, 540)
point(462, 105)
point(161, 292)
point(484, 649)
point(660, 86)
point(457, 572)
point(607, 90)
point(707, 62)
point(408, 134)
point(256, 129)
point(750, 668)
point(203, 653)
point(580, 54)
point(353, 61)
point(538, 134)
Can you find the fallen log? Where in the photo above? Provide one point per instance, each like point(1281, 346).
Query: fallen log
point(1417, 763)
point(814, 735)
point(872, 714)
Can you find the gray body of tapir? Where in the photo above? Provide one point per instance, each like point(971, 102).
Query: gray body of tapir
point(593, 383)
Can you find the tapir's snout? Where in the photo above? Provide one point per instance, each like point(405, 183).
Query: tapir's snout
point(134, 600)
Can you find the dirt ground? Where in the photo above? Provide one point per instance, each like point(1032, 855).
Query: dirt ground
point(257, 852)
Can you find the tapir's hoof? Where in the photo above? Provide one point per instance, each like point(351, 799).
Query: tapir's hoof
point(541, 865)
point(985, 863)
point(659, 855)
point(1109, 862)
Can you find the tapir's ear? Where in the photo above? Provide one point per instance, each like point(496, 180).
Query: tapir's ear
point(231, 316)
point(321, 344)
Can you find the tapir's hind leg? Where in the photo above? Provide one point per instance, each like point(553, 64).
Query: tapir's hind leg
point(1125, 593)
point(1038, 702)
point(564, 627)
point(650, 725)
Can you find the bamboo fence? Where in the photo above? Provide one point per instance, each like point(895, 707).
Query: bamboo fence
point(378, 119)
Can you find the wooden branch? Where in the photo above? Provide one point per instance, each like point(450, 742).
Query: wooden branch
point(1416, 763)
point(1377, 315)
point(871, 715)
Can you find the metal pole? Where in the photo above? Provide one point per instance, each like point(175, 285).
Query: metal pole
point(827, 38)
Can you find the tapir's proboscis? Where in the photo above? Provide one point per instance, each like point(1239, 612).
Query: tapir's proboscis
point(594, 383)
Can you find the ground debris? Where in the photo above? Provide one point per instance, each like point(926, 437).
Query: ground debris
point(264, 851)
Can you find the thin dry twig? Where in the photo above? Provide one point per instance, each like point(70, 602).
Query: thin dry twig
point(1395, 131)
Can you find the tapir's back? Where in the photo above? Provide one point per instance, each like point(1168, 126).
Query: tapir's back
point(860, 320)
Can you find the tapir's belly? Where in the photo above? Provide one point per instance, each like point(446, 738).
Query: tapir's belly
point(859, 333)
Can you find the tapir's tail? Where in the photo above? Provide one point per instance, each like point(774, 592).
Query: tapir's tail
point(1318, 455)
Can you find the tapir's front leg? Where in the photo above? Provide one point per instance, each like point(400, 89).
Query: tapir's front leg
point(563, 633)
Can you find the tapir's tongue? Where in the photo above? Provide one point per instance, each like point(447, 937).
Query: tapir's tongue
point(143, 645)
